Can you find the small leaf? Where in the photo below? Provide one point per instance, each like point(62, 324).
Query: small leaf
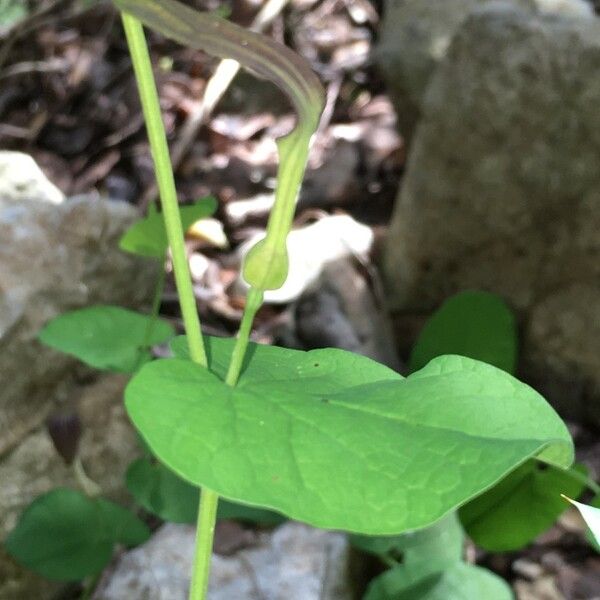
point(106, 337)
point(591, 515)
point(423, 552)
point(148, 237)
point(124, 527)
point(164, 494)
point(459, 582)
point(161, 492)
point(65, 536)
point(519, 508)
point(478, 325)
point(302, 429)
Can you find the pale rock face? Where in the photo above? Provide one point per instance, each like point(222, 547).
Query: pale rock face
point(108, 444)
point(567, 8)
point(415, 36)
point(56, 254)
point(294, 562)
point(502, 189)
point(54, 257)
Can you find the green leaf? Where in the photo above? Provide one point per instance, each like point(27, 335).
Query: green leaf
point(431, 549)
point(161, 492)
point(124, 527)
point(421, 553)
point(478, 325)
point(251, 514)
point(65, 536)
point(459, 582)
point(591, 515)
point(148, 237)
point(106, 337)
point(340, 441)
point(519, 508)
point(11, 12)
point(281, 365)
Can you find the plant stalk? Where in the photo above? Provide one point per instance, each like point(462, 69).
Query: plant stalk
point(253, 303)
point(142, 67)
point(168, 195)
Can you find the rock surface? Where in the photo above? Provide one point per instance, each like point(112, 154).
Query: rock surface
point(414, 39)
point(502, 190)
point(344, 309)
point(108, 445)
point(56, 254)
point(294, 562)
point(53, 258)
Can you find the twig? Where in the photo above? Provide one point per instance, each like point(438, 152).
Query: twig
point(34, 66)
point(216, 87)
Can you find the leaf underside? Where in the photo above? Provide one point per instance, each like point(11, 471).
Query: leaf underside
point(522, 506)
point(106, 337)
point(165, 494)
point(340, 441)
point(459, 582)
point(148, 236)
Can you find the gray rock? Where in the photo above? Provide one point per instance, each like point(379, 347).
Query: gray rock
point(414, 39)
point(345, 310)
point(502, 190)
point(53, 258)
point(294, 562)
point(56, 255)
point(108, 445)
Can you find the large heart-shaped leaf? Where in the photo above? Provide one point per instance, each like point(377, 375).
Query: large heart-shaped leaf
point(521, 507)
point(459, 582)
point(65, 536)
point(474, 324)
point(325, 370)
point(148, 236)
point(165, 494)
point(339, 441)
point(106, 337)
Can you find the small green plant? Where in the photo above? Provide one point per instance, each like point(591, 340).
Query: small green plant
point(428, 564)
point(327, 437)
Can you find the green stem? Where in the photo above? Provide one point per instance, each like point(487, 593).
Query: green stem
point(166, 183)
point(253, 303)
point(207, 513)
point(205, 533)
point(168, 196)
